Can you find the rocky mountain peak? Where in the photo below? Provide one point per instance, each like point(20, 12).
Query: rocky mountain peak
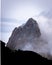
point(31, 22)
point(32, 27)
point(25, 34)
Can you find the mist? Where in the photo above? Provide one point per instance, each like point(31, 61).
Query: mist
point(45, 25)
point(44, 47)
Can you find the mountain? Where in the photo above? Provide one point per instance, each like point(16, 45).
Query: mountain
point(28, 37)
point(24, 34)
point(14, 57)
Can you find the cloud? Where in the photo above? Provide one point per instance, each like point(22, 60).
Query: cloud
point(8, 20)
point(47, 13)
point(45, 25)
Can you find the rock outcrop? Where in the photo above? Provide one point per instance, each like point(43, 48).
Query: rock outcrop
point(24, 34)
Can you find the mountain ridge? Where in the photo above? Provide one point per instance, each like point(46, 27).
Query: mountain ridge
point(15, 57)
point(30, 29)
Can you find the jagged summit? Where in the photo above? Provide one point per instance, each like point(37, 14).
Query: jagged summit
point(32, 27)
point(25, 34)
point(31, 20)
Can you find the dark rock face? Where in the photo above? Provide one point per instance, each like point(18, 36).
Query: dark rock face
point(9, 57)
point(24, 34)
point(32, 28)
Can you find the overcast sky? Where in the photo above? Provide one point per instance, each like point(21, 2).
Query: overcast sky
point(16, 12)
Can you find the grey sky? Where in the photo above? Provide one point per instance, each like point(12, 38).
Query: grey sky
point(16, 12)
point(13, 8)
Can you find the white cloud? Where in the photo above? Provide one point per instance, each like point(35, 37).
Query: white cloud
point(45, 25)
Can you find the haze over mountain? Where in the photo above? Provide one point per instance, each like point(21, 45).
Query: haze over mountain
point(28, 37)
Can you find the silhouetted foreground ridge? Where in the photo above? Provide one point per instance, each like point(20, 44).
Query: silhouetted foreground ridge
point(10, 57)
